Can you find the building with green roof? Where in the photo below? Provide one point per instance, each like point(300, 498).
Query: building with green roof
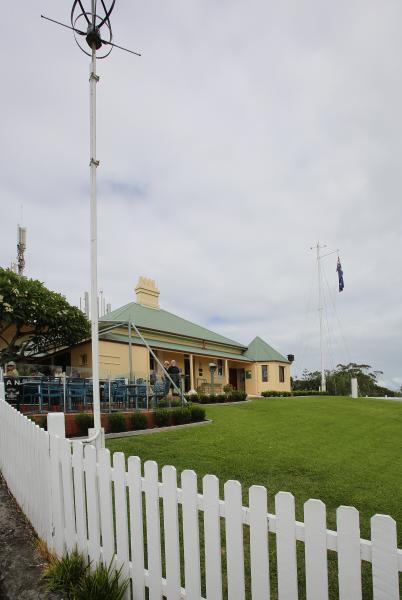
point(127, 334)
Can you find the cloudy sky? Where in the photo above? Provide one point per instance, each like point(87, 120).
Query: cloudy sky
point(245, 133)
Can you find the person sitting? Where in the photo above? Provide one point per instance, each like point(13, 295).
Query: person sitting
point(11, 369)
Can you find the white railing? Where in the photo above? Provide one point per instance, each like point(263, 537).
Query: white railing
point(151, 527)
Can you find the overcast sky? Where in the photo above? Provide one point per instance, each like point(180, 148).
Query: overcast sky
point(245, 133)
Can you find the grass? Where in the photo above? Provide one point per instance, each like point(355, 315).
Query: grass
point(342, 451)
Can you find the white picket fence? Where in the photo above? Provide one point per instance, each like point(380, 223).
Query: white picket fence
point(151, 527)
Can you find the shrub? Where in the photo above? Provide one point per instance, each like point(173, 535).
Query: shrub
point(162, 417)
point(139, 421)
point(211, 399)
point(84, 422)
point(192, 398)
point(117, 422)
point(179, 416)
point(64, 574)
point(104, 583)
point(228, 388)
point(236, 396)
point(203, 398)
point(197, 413)
point(221, 398)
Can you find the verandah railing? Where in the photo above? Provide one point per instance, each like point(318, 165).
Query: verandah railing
point(151, 527)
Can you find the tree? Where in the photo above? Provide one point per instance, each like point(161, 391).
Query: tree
point(34, 319)
point(339, 380)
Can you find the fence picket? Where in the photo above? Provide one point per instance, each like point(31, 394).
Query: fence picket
point(315, 542)
point(57, 497)
point(106, 505)
point(191, 536)
point(136, 527)
point(384, 558)
point(92, 495)
point(348, 546)
point(286, 546)
point(212, 535)
point(79, 497)
point(120, 498)
point(171, 529)
point(259, 543)
point(234, 540)
point(153, 530)
point(68, 493)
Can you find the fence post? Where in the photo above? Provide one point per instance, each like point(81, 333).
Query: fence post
point(56, 424)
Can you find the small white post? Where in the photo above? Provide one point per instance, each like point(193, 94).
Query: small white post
point(354, 387)
point(56, 424)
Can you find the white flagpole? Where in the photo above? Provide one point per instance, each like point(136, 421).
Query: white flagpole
point(320, 310)
point(93, 79)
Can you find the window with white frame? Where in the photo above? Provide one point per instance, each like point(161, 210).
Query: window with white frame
point(220, 368)
point(281, 374)
point(264, 373)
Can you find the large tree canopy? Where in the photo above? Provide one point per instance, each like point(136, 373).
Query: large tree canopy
point(34, 319)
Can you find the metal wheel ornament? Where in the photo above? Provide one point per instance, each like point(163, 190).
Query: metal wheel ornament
point(98, 31)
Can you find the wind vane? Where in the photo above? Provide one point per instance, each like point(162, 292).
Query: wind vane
point(98, 37)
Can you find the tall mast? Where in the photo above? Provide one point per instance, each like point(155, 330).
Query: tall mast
point(320, 314)
point(93, 80)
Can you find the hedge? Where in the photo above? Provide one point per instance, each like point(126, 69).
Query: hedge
point(138, 421)
point(84, 422)
point(295, 393)
point(233, 396)
point(179, 416)
point(117, 422)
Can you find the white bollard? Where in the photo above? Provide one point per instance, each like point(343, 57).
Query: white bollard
point(354, 387)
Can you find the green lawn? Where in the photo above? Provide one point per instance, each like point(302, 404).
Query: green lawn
point(339, 450)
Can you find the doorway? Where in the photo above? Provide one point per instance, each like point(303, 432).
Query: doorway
point(233, 378)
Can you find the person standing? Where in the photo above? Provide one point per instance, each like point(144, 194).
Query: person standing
point(174, 373)
point(166, 379)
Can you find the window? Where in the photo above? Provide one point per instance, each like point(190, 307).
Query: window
point(264, 373)
point(281, 374)
point(151, 362)
point(219, 362)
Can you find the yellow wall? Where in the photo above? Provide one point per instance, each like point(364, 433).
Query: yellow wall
point(113, 359)
point(255, 385)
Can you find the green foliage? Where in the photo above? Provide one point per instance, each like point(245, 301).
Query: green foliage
point(197, 413)
point(34, 319)
point(41, 421)
point(104, 583)
point(117, 422)
point(84, 422)
point(162, 417)
point(139, 421)
point(339, 381)
point(63, 575)
point(228, 388)
point(179, 416)
point(72, 577)
point(232, 396)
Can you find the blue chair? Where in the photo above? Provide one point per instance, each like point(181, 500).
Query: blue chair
point(119, 393)
point(52, 393)
point(76, 393)
point(158, 391)
point(31, 392)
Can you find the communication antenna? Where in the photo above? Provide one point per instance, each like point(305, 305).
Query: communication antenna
point(21, 247)
point(93, 34)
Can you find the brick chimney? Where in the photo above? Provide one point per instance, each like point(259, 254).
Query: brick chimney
point(147, 294)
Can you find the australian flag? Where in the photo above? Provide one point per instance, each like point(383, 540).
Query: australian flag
point(340, 275)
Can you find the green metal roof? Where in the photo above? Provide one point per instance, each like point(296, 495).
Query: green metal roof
point(259, 350)
point(161, 320)
point(118, 337)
